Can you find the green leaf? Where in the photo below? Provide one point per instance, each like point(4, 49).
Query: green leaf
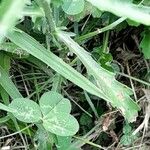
point(73, 7)
point(145, 45)
point(8, 85)
point(115, 93)
point(146, 2)
point(125, 9)
point(3, 120)
point(57, 3)
point(50, 100)
point(133, 23)
point(44, 139)
point(127, 129)
point(126, 140)
point(96, 13)
point(10, 11)
point(30, 45)
point(6, 108)
point(26, 110)
point(86, 11)
point(56, 114)
point(61, 124)
point(63, 142)
point(105, 61)
point(14, 49)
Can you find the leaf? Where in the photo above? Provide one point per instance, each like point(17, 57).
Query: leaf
point(146, 2)
point(133, 23)
point(57, 3)
point(96, 13)
point(26, 110)
point(3, 120)
point(63, 142)
point(127, 129)
point(88, 8)
point(44, 139)
point(54, 102)
point(145, 45)
point(61, 124)
point(56, 114)
point(30, 45)
point(6, 108)
point(10, 88)
point(14, 49)
point(105, 61)
point(8, 85)
point(126, 140)
point(125, 9)
point(10, 11)
point(73, 7)
point(115, 93)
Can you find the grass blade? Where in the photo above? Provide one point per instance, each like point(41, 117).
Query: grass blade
point(116, 93)
point(6, 108)
point(8, 85)
point(30, 45)
point(9, 13)
point(124, 8)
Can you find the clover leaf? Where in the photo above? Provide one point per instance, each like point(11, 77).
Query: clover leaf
point(26, 110)
point(56, 114)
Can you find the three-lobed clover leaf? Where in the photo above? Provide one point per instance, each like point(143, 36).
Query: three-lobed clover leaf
point(56, 114)
point(53, 110)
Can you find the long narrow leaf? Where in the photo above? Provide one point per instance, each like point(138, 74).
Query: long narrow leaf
point(124, 8)
point(6, 108)
point(116, 93)
point(10, 11)
point(8, 85)
point(30, 45)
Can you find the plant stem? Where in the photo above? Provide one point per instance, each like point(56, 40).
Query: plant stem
point(105, 42)
point(98, 31)
point(133, 78)
point(48, 14)
point(18, 132)
point(90, 143)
